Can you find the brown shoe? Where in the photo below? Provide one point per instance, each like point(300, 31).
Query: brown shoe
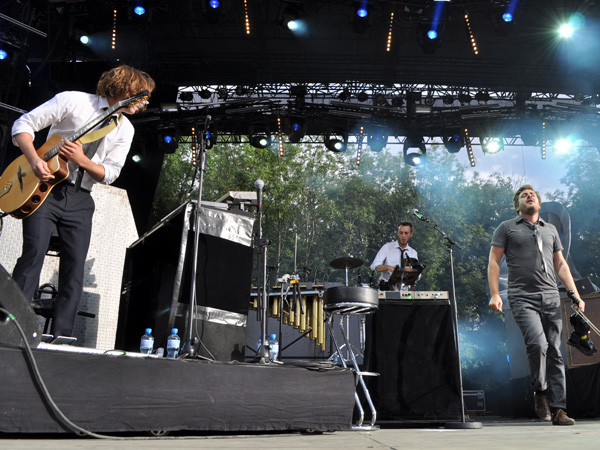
point(542, 408)
point(561, 418)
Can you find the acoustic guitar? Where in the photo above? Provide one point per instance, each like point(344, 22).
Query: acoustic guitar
point(21, 192)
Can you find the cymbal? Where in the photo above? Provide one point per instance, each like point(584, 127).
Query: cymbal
point(347, 262)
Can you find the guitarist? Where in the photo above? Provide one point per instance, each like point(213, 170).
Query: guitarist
point(69, 205)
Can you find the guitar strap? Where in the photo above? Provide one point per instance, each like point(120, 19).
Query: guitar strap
point(94, 139)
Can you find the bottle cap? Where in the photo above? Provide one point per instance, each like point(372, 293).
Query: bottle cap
point(174, 331)
point(148, 330)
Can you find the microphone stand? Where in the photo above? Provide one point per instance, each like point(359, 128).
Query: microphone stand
point(191, 342)
point(262, 355)
point(463, 424)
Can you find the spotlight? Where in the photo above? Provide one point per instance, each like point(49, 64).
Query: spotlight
point(492, 145)
point(429, 100)
point(397, 102)
point(482, 97)
point(186, 96)
point(344, 95)
point(241, 91)
point(576, 21)
point(454, 143)
point(428, 37)
point(507, 17)
point(296, 129)
point(136, 158)
point(448, 99)
point(432, 34)
point(168, 142)
point(260, 140)
point(210, 138)
point(3, 54)
point(380, 100)
point(464, 99)
point(213, 11)
point(414, 151)
point(362, 97)
point(222, 93)
point(377, 141)
point(291, 19)
point(205, 94)
point(139, 10)
point(85, 39)
point(336, 142)
point(563, 146)
point(361, 19)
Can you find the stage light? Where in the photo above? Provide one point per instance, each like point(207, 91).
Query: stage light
point(3, 54)
point(296, 129)
point(212, 9)
point(260, 140)
point(563, 146)
point(168, 142)
point(448, 99)
point(576, 21)
point(471, 34)
point(210, 136)
point(482, 97)
point(566, 30)
point(139, 10)
point(414, 151)
point(362, 97)
point(241, 91)
point(222, 93)
point(454, 143)
point(336, 141)
point(432, 34)
point(377, 141)
point(205, 94)
point(472, 159)
point(361, 19)
point(427, 37)
point(380, 100)
point(397, 102)
point(344, 95)
point(186, 96)
point(464, 98)
point(85, 39)
point(492, 145)
point(507, 17)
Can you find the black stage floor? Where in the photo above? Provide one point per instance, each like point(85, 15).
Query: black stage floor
point(106, 393)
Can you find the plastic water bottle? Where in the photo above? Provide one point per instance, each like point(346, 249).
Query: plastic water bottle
point(273, 347)
point(173, 342)
point(147, 342)
point(259, 343)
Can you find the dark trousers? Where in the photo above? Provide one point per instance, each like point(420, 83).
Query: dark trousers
point(540, 319)
point(71, 211)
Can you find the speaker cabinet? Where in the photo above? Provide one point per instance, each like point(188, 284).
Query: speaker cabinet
point(157, 282)
point(411, 346)
point(15, 303)
point(592, 311)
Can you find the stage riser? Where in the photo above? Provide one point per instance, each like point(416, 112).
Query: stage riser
point(123, 394)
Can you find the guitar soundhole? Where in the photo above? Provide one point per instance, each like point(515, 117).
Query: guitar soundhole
point(43, 187)
point(35, 199)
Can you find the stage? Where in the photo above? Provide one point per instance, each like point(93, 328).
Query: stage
point(110, 393)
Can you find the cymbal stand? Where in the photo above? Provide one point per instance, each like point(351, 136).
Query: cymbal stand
point(463, 424)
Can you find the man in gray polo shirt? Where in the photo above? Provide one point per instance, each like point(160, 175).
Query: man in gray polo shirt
point(534, 258)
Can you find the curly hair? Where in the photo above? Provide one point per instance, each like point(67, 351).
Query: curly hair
point(521, 189)
point(123, 81)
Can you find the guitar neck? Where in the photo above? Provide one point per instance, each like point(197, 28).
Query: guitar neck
point(82, 131)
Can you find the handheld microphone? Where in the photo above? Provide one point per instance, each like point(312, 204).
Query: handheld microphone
point(419, 215)
point(207, 121)
point(259, 184)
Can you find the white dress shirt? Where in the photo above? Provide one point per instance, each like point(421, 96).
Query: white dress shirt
point(70, 111)
point(391, 254)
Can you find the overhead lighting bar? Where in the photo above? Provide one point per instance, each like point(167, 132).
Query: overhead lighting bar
point(246, 17)
point(389, 39)
point(543, 144)
point(360, 145)
point(469, 148)
point(470, 33)
point(113, 44)
point(194, 147)
point(279, 136)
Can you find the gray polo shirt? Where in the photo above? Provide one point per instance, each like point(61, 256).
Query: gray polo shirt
point(525, 273)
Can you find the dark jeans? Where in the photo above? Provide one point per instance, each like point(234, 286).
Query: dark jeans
point(540, 320)
point(71, 211)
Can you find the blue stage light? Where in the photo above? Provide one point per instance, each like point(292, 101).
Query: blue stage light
point(432, 34)
point(362, 12)
point(507, 17)
point(139, 10)
point(3, 54)
point(214, 4)
point(168, 139)
point(84, 39)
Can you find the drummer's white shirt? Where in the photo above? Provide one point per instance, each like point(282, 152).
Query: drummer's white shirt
point(390, 255)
